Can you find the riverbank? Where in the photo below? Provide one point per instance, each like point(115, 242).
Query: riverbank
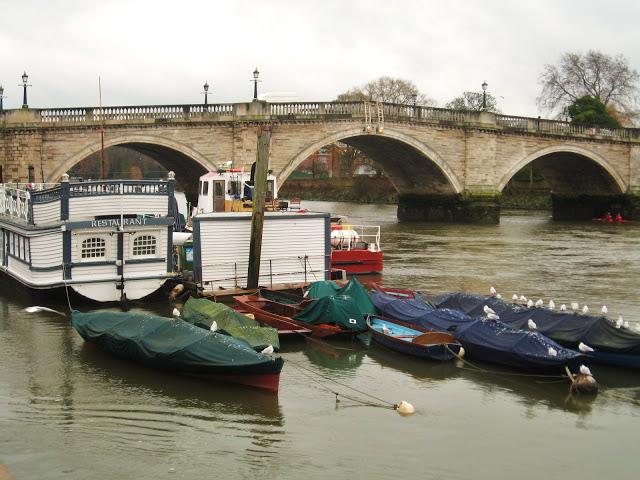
point(380, 191)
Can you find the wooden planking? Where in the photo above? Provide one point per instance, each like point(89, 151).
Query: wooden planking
point(86, 208)
point(225, 243)
point(46, 250)
point(94, 272)
point(44, 213)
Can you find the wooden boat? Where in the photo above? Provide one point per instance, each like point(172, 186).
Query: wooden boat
point(412, 339)
point(179, 347)
point(279, 316)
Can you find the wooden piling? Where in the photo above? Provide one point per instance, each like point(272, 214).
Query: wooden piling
point(257, 218)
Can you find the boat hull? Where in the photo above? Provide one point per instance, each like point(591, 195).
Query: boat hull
point(357, 262)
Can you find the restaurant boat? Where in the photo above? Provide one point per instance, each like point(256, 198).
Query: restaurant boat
point(412, 339)
point(178, 347)
point(109, 240)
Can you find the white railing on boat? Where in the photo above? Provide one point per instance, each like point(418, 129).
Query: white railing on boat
point(15, 202)
point(367, 234)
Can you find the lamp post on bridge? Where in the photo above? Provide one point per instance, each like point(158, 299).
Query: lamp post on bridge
point(255, 81)
point(1, 97)
point(484, 95)
point(414, 100)
point(24, 85)
point(206, 91)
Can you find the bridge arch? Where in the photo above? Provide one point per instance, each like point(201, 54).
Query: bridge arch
point(170, 154)
point(602, 167)
point(434, 169)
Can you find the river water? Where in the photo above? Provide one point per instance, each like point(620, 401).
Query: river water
point(71, 411)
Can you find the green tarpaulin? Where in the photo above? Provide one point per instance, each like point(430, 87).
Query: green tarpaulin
point(322, 288)
point(203, 312)
point(346, 307)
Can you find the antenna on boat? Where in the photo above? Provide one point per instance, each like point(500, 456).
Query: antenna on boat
point(102, 172)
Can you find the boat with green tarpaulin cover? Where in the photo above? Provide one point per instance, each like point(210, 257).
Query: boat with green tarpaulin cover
point(178, 347)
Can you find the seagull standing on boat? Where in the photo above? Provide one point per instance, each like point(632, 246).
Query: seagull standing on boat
point(532, 325)
point(563, 308)
point(214, 327)
point(585, 310)
point(268, 350)
point(585, 370)
point(487, 309)
point(492, 316)
point(625, 324)
point(604, 310)
point(575, 306)
point(530, 303)
point(620, 322)
point(493, 291)
point(552, 305)
point(584, 348)
point(176, 313)
point(552, 352)
point(385, 330)
point(498, 296)
point(523, 299)
point(514, 297)
point(539, 303)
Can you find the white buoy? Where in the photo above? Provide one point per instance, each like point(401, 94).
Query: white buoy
point(492, 291)
point(531, 324)
point(492, 316)
point(563, 308)
point(552, 305)
point(514, 297)
point(585, 370)
point(552, 352)
point(584, 348)
point(619, 322)
point(405, 408)
point(36, 309)
point(268, 350)
point(530, 304)
point(604, 310)
point(176, 313)
point(585, 310)
point(487, 309)
point(575, 306)
point(539, 303)
point(214, 327)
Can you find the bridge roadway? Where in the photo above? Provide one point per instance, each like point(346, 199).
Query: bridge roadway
point(447, 165)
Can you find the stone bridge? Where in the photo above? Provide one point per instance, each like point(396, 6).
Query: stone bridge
point(447, 165)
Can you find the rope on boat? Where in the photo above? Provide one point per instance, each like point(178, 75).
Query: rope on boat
point(66, 287)
point(382, 403)
point(497, 372)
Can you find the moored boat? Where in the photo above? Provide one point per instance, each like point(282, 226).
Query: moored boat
point(278, 315)
point(412, 339)
point(355, 248)
point(178, 347)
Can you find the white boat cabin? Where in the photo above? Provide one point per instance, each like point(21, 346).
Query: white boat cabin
point(231, 191)
point(106, 239)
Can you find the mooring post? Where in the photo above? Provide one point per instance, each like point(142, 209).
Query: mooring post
point(257, 219)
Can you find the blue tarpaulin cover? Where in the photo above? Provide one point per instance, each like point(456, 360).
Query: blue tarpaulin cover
point(487, 340)
point(568, 328)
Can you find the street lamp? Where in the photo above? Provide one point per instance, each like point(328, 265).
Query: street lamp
point(255, 81)
point(1, 97)
point(484, 95)
point(24, 85)
point(206, 90)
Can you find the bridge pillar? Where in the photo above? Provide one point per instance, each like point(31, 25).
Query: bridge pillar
point(586, 207)
point(465, 208)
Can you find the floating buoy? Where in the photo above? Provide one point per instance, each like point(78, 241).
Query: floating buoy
point(404, 408)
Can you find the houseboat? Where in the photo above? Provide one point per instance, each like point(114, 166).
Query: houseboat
point(108, 240)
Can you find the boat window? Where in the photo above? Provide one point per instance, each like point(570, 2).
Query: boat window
point(219, 189)
point(205, 188)
point(94, 247)
point(144, 245)
point(270, 186)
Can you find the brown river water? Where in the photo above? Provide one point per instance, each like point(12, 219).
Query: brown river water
point(70, 411)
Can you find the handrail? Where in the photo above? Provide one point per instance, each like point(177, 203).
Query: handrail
point(15, 203)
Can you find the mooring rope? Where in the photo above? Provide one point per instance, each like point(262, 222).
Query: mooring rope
point(66, 287)
point(382, 404)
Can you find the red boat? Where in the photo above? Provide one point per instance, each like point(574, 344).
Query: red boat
point(355, 248)
point(279, 316)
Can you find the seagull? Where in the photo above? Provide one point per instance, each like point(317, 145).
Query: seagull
point(620, 322)
point(552, 305)
point(575, 306)
point(514, 297)
point(531, 324)
point(268, 350)
point(523, 299)
point(584, 348)
point(498, 296)
point(487, 309)
point(385, 330)
point(214, 326)
point(36, 308)
point(585, 370)
point(604, 310)
point(539, 303)
point(492, 316)
point(552, 352)
point(585, 310)
point(493, 291)
point(563, 308)
point(625, 324)
point(530, 303)
point(638, 327)
point(176, 313)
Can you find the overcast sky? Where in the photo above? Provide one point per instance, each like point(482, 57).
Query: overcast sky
point(161, 52)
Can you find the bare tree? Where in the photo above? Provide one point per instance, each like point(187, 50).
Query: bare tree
point(608, 78)
point(473, 102)
point(389, 90)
